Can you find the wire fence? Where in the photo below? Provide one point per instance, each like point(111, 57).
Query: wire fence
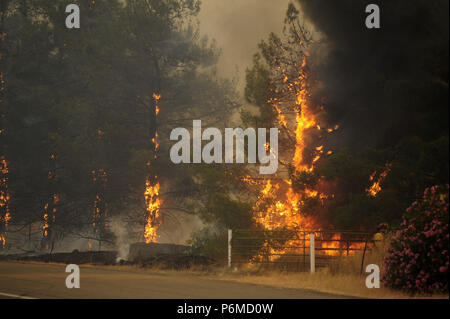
point(293, 249)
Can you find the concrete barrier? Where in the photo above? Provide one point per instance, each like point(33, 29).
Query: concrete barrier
point(142, 251)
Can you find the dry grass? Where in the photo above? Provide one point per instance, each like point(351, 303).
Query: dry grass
point(346, 285)
point(356, 264)
point(341, 277)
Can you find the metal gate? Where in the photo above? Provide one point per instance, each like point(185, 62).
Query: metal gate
point(296, 250)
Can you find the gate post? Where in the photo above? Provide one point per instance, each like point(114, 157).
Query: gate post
point(230, 237)
point(312, 253)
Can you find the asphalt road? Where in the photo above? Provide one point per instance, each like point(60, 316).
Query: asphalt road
point(30, 280)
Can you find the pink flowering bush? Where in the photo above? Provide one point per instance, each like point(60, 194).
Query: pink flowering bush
point(417, 261)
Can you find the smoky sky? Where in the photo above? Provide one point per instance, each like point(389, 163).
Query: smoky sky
point(371, 76)
point(238, 26)
point(365, 70)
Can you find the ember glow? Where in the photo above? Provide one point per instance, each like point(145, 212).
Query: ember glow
point(5, 214)
point(100, 179)
point(50, 215)
point(50, 208)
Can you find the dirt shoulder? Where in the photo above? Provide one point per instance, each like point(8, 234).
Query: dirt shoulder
point(343, 285)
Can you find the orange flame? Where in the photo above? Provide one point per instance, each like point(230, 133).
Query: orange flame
point(151, 194)
point(153, 205)
point(5, 214)
point(50, 212)
point(375, 188)
point(333, 245)
point(50, 215)
point(100, 205)
point(156, 97)
point(278, 205)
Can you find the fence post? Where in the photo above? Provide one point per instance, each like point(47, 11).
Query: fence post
point(364, 254)
point(312, 253)
point(230, 236)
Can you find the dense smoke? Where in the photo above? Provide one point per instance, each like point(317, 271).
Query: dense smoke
point(370, 75)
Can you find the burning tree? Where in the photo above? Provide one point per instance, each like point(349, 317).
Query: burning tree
point(152, 187)
point(100, 214)
point(279, 84)
point(49, 228)
point(95, 107)
point(5, 214)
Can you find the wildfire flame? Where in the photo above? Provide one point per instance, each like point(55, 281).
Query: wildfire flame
point(156, 97)
point(332, 246)
point(50, 215)
point(151, 195)
point(5, 214)
point(375, 188)
point(50, 208)
point(278, 205)
point(100, 178)
point(153, 204)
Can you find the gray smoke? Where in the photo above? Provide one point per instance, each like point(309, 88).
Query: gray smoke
point(119, 229)
point(238, 26)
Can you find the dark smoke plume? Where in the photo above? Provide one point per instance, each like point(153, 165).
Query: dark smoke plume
point(382, 80)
